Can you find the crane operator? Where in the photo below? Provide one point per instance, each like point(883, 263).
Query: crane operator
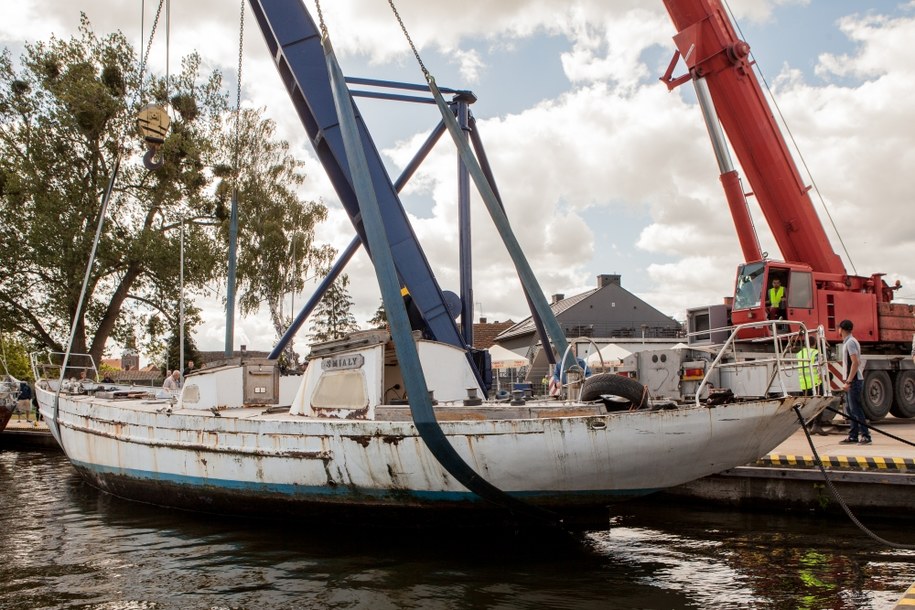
point(776, 300)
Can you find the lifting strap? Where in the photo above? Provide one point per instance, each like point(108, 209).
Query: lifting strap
point(382, 257)
point(499, 219)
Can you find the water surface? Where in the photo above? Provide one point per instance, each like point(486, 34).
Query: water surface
point(67, 545)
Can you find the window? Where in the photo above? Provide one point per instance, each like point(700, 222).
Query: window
point(341, 390)
point(800, 290)
point(748, 291)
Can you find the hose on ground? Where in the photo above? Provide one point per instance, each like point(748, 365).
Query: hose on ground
point(835, 492)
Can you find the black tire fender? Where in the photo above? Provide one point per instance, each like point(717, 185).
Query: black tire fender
point(612, 384)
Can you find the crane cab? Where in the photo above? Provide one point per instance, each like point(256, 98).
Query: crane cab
point(816, 299)
point(758, 287)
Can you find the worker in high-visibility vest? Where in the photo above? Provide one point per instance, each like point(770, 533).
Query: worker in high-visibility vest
point(809, 378)
point(776, 297)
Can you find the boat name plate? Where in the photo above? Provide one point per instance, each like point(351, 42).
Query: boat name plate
point(340, 363)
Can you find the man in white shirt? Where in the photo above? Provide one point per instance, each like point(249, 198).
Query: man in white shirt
point(173, 382)
point(854, 386)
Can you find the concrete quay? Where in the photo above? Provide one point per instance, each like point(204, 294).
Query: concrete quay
point(20, 434)
point(877, 479)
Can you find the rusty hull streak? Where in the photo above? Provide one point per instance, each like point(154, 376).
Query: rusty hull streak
point(363, 440)
point(306, 455)
point(340, 413)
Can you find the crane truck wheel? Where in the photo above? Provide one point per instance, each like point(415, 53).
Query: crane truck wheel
point(878, 395)
point(633, 393)
point(904, 405)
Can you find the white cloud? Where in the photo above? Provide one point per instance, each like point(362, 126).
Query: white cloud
point(613, 141)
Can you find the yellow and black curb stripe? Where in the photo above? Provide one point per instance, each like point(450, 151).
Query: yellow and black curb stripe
point(839, 461)
point(908, 599)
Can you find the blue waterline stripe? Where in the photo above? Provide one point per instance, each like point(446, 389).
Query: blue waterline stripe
point(328, 491)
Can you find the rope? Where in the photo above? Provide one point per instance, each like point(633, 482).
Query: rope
point(781, 116)
point(835, 492)
point(871, 427)
point(3, 355)
point(493, 206)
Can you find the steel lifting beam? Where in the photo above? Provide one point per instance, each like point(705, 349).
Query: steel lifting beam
point(295, 45)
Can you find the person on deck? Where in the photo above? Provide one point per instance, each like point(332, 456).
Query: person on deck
point(172, 383)
point(809, 378)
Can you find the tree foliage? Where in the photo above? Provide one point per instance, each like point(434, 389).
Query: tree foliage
point(380, 317)
point(276, 243)
point(172, 356)
point(333, 316)
point(67, 115)
point(15, 359)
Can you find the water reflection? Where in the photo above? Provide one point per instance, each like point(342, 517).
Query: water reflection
point(68, 546)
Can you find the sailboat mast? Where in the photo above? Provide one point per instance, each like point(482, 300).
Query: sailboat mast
point(230, 288)
point(181, 303)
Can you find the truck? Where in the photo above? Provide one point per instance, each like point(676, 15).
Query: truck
point(819, 291)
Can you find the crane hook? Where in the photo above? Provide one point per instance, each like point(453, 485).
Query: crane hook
point(152, 123)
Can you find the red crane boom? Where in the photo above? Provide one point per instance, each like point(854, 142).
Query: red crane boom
point(819, 291)
point(711, 50)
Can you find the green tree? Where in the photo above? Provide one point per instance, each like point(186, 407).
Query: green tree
point(172, 355)
point(380, 319)
point(63, 118)
point(276, 243)
point(15, 359)
point(332, 317)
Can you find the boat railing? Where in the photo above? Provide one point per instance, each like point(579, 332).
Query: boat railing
point(786, 337)
point(46, 366)
point(575, 374)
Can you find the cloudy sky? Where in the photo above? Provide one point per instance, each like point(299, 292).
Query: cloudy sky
point(602, 170)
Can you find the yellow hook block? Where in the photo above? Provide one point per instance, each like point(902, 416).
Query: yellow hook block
point(153, 122)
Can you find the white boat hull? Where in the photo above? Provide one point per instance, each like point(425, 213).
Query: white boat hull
point(556, 456)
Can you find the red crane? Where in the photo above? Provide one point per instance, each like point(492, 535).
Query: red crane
point(819, 291)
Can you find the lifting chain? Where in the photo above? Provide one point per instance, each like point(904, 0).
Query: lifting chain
point(403, 28)
point(241, 41)
point(321, 20)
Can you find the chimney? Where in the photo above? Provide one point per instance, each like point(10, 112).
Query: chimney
point(557, 297)
point(482, 320)
point(606, 279)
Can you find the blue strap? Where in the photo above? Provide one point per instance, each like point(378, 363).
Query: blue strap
point(500, 220)
point(414, 380)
